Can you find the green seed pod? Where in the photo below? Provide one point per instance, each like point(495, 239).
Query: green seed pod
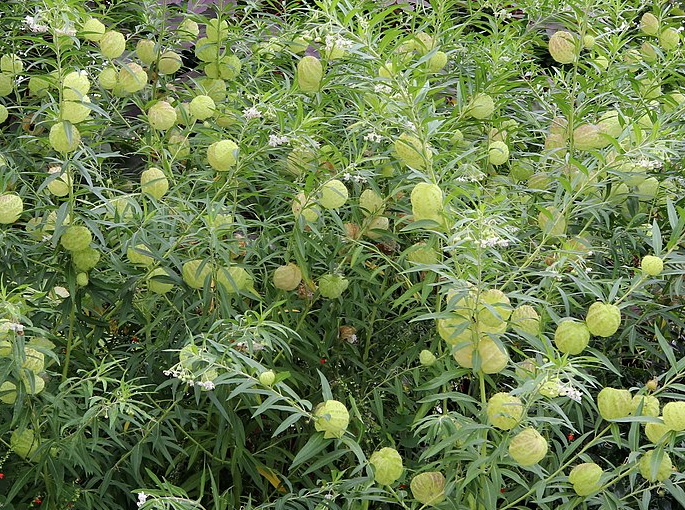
point(550, 388)
point(24, 443)
point(648, 189)
point(674, 415)
point(92, 30)
point(493, 358)
point(528, 447)
point(585, 478)
point(11, 207)
point(526, 319)
point(75, 85)
point(6, 84)
point(481, 107)
point(305, 207)
point(206, 51)
point(652, 265)
point(333, 194)
point(34, 360)
point(609, 123)
point(309, 74)
point(179, 146)
point(423, 43)
point(169, 62)
point(4, 113)
point(493, 311)
point(656, 432)
point(64, 137)
point(387, 464)
point(437, 62)
point(421, 253)
point(137, 255)
point(426, 201)
point(371, 203)
point(603, 319)
point(649, 24)
point(505, 411)
point(331, 418)
point(663, 469)
point(427, 358)
point(589, 136)
point(571, 336)
point(551, 221)
point(267, 378)
point(132, 77)
point(412, 152)
point(146, 51)
point(287, 277)
point(85, 260)
point(332, 286)
point(563, 47)
point(8, 392)
point(156, 285)
point(112, 44)
point(233, 279)
point(669, 39)
point(428, 488)
point(108, 78)
point(162, 116)
point(222, 155)
point(614, 403)
point(75, 111)
point(82, 279)
point(154, 182)
point(76, 238)
point(650, 405)
point(188, 30)
point(498, 153)
point(217, 30)
point(455, 330)
point(195, 272)
point(11, 64)
point(588, 42)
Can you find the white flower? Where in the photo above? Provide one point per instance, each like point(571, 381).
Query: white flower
point(34, 26)
point(373, 137)
point(275, 140)
point(16, 327)
point(382, 89)
point(142, 498)
point(251, 113)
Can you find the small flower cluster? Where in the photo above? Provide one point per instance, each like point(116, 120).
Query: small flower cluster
point(492, 242)
point(142, 498)
point(372, 136)
point(186, 377)
point(347, 176)
point(382, 89)
point(571, 392)
point(34, 26)
point(251, 113)
point(276, 140)
point(648, 164)
point(16, 327)
point(336, 41)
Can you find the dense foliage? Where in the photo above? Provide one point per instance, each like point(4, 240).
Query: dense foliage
point(345, 255)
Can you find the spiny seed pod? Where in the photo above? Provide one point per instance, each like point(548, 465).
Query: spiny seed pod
point(216, 29)
point(550, 388)
point(563, 47)
point(426, 201)
point(24, 443)
point(287, 277)
point(333, 194)
point(11, 64)
point(202, 107)
point(371, 203)
point(75, 111)
point(455, 330)
point(108, 78)
point(421, 253)
point(650, 405)
point(82, 279)
point(156, 285)
point(222, 155)
point(76, 238)
point(663, 469)
point(551, 221)
point(528, 447)
point(669, 39)
point(610, 124)
point(154, 182)
point(526, 319)
point(423, 43)
point(480, 107)
point(39, 85)
point(652, 265)
point(146, 51)
point(585, 478)
point(93, 29)
point(493, 358)
point(137, 255)
point(179, 146)
point(227, 68)
point(7, 83)
point(85, 260)
point(648, 189)
point(4, 113)
point(427, 358)
point(11, 207)
point(649, 24)
point(603, 319)
point(195, 272)
point(387, 464)
point(493, 311)
point(309, 74)
point(267, 378)
point(437, 61)
point(169, 62)
point(412, 152)
point(505, 411)
point(206, 51)
point(34, 360)
point(589, 136)
point(305, 207)
point(526, 369)
point(162, 116)
point(64, 137)
point(656, 432)
point(32, 385)
point(614, 403)
point(674, 415)
point(428, 488)
point(331, 418)
point(571, 336)
point(112, 44)
point(332, 286)
point(498, 153)
point(132, 77)
point(60, 186)
point(588, 42)
point(8, 392)
point(188, 30)
point(75, 85)
point(233, 279)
